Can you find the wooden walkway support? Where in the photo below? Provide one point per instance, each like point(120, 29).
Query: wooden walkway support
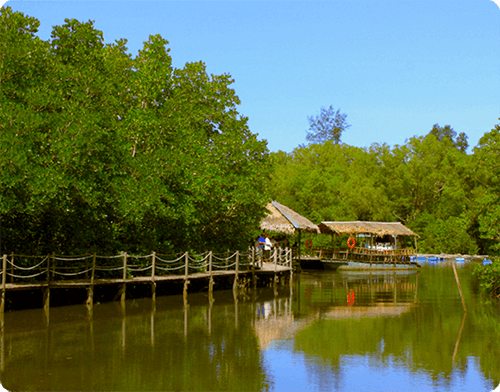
point(89, 271)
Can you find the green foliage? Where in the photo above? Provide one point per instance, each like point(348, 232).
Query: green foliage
point(447, 132)
point(489, 276)
point(450, 198)
point(101, 151)
point(329, 182)
point(328, 126)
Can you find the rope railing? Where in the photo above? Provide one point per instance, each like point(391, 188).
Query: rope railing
point(92, 267)
point(158, 258)
point(71, 274)
point(27, 268)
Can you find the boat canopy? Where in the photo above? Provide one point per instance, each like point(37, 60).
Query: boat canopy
point(373, 228)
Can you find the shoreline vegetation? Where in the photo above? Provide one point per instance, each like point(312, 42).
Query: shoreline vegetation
point(489, 277)
point(101, 150)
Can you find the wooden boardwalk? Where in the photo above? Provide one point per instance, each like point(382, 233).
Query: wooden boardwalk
point(52, 272)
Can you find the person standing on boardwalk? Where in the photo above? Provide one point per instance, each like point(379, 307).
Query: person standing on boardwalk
point(260, 245)
point(267, 247)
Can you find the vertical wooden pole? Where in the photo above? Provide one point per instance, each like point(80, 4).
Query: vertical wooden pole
point(124, 285)
point(186, 273)
point(153, 283)
point(4, 281)
point(211, 281)
point(2, 344)
point(90, 289)
point(299, 246)
point(458, 284)
point(254, 280)
point(46, 291)
point(288, 256)
point(235, 282)
point(12, 267)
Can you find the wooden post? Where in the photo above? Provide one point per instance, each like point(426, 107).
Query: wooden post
point(458, 284)
point(211, 282)
point(153, 283)
point(124, 285)
point(4, 281)
point(254, 281)
point(12, 267)
point(186, 273)
point(235, 282)
point(299, 246)
point(90, 289)
point(46, 291)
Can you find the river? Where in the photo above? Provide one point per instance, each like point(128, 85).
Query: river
point(342, 331)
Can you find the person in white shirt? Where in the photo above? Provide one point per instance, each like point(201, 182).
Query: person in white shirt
point(267, 247)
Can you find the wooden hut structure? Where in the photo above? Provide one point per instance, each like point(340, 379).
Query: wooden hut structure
point(371, 251)
point(285, 220)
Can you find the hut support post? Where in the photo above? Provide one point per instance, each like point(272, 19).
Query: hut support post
point(254, 282)
point(186, 273)
point(299, 245)
point(153, 283)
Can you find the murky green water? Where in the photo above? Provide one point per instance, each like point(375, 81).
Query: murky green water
point(342, 331)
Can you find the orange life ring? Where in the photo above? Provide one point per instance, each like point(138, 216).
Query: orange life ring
point(351, 242)
point(309, 243)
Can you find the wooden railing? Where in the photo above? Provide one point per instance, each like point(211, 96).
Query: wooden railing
point(53, 268)
point(364, 255)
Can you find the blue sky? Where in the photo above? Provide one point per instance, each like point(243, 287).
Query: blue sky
point(395, 68)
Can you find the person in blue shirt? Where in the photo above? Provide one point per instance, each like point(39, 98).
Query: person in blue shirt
point(260, 246)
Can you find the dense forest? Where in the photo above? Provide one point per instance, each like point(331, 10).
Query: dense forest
point(101, 151)
point(430, 184)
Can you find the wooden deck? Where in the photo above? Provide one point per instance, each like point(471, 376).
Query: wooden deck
point(363, 255)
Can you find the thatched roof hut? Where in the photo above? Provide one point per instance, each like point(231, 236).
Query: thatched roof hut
point(373, 228)
point(285, 220)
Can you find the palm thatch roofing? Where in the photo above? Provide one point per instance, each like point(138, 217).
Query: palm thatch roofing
point(374, 228)
point(285, 220)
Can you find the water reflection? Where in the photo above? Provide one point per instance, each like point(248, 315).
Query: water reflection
point(329, 331)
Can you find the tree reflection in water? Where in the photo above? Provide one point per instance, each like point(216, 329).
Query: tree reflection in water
point(332, 331)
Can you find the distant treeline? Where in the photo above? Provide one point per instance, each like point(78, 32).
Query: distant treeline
point(102, 151)
point(430, 184)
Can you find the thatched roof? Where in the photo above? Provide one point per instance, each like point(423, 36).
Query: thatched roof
point(284, 220)
point(375, 228)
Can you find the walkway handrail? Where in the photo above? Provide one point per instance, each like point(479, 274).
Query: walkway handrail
point(23, 268)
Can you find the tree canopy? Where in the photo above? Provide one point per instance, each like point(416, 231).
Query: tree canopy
point(102, 151)
point(430, 184)
point(328, 125)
